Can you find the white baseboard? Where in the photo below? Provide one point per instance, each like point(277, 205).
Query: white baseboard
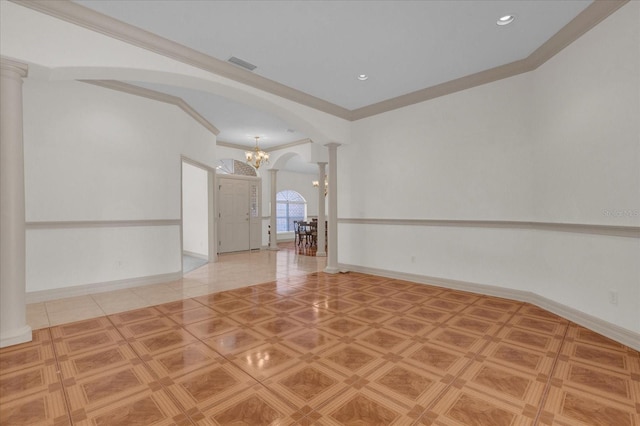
point(85, 289)
point(15, 337)
point(607, 329)
point(196, 255)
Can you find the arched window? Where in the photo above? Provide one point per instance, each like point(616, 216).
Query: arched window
point(228, 166)
point(290, 206)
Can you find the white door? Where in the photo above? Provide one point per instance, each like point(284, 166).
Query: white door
point(233, 220)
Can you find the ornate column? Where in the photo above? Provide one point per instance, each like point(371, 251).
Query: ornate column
point(273, 241)
point(321, 252)
point(332, 256)
point(13, 308)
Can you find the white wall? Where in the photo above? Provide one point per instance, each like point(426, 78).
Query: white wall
point(195, 211)
point(587, 127)
point(103, 156)
point(558, 144)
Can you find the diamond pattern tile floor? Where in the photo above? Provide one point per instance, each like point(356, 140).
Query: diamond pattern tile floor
point(318, 349)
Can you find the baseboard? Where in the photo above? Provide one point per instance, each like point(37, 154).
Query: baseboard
point(85, 289)
point(196, 255)
point(15, 337)
point(607, 329)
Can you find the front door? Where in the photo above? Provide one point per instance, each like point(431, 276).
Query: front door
point(234, 223)
point(239, 214)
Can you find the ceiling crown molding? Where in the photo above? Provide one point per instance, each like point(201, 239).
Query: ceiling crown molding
point(587, 19)
point(88, 18)
point(95, 21)
point(157, 96)
point(274, 148)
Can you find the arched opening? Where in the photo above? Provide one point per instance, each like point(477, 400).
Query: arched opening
point(229, 166)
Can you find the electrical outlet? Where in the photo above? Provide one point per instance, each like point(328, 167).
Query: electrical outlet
point(613, 297)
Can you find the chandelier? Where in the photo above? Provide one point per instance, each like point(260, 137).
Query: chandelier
point(316, 184)
point(257, 156)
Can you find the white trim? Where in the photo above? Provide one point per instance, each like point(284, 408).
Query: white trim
point(275, 148)
point(212, 208)
point(95, 21)
point(111, 27)
point(582, 228)
point(102, 223)
point(607, 329)
point(22, 335)
point(289, 145)
point(156, 96)
point(86, 289)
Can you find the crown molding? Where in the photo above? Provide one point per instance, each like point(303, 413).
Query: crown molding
point(95, 21)
point(443, 89)
point(157, 96)
point(87, 18)
point(290, 144)
point(595, 13)
point(583, 22)
point(233, 145)
point(275, 148)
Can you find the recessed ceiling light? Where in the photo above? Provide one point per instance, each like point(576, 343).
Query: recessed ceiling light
point(505, 20)
point(363, 77)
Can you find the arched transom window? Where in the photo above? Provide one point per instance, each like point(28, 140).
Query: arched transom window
point(290, 206)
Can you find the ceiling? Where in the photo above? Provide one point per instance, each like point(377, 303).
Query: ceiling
point(320, 47)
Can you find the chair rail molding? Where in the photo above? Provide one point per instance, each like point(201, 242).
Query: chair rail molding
point(582, 228)
point(102, 223)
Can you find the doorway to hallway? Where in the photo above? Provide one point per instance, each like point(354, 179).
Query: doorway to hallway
point(197, 212)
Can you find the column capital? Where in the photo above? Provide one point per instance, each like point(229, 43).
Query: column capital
point(322, 163)
point(332, 145)
point(13, 66)
point(273, 170)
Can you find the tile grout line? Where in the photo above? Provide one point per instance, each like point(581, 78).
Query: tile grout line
point(142, 361)
point(67, 399)
point(468, 364)
point(182, 316)
point(198, 339)
point(547, 387)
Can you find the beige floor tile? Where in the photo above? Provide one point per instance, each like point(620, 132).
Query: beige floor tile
point(77, 314)
point(123, 305)
point(69, 303)
point(37, 316)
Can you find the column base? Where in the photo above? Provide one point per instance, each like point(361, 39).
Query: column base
point(321, 254)
point(276, 248)
point(15, 337)
point(331, 270)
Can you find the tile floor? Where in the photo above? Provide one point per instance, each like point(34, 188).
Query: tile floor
point(231, 271)
point(311, 348)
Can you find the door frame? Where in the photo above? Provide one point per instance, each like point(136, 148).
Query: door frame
point(255, 179)
point(211, 209)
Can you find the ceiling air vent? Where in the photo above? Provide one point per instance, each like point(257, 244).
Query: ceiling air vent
point(244, 64)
